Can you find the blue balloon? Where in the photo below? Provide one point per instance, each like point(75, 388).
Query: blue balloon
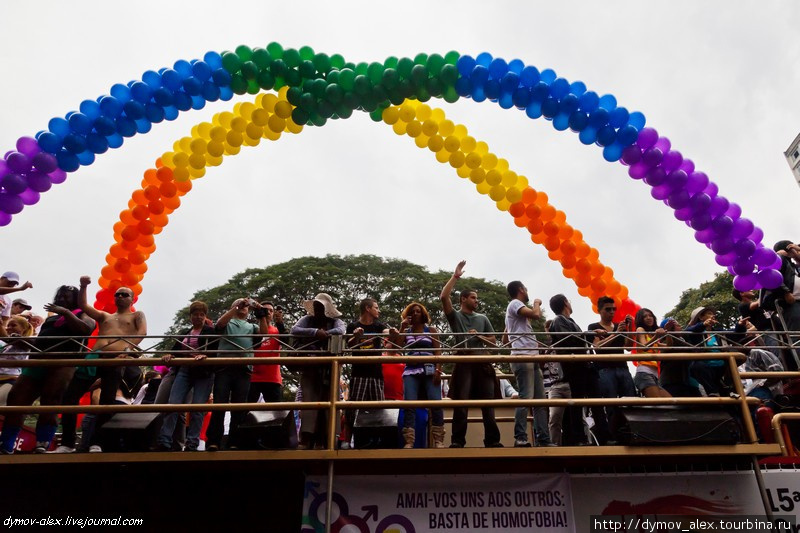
point(577, 88)
point(479, 76)
point(463, 87)
point(192, 86)
point(183, 101)
point(121, 92)
point(210, 91)
point(201, 70)
point(618, 117)
point(154, 113)
point(111, 106)
point(75, 143)
point(578, 120)
point(589, 101)
point(598, 118)
point(163, 96)
point(96, 143)
point(516, 66)
point(86, 158)
point(550, 108)
point(143, 125)
point(152, 78)
point(498, 68)
point(213, 59)
point(568, 104)
point(173, 81)
point(183, 67)
point(198, 102)
point(104, 126)
point(134, 110)
point(588, 135)
point(534, 109)
point(465, 64)
point(509, 82)
point(126, 126)
point(49, 142)
point(59, 126)
point(612, 152)
point(484, 59)
point(561, 121)
point(141, 92)
point(627, 135)
point(540, 92)
point(91, 109)
point(529, 76)
point(521, 97)
point(548, 76)
point(80, 123)
point(67, 161)
point(559, 88)
point(606, 136)
point(637, 120)
point(608, 102)
point(225, 93)
point(492, 89)
point(478, 94)
point(115, 140)
point(506, 100)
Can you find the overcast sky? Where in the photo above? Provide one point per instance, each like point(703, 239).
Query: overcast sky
point(719, 78)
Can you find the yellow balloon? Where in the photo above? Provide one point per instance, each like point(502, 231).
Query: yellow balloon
point(452, 144)
point(260, 117)
point(225, 119)
point(180, 174)
point(253, 131)
point(414, 128)
point(238, 124)
point(407, 112)
point(421, 141)
point(463, 171)
point(493, 177)
point(436, 143)
point(250, 141)
point(513, 195)
point(503, 205)
point(195, 173)
point(497, 193)
point(468, 144)
point(509, 178)
point(232, 150)
point(246, 110)
point(283, 109)
point(443, 156)
point(502, 165)
point(198, 146)
point(185, 144)
point(213, 161)
point(204, 129)
point(215, 148)
point(391, 115)
point(234, 139)
point(423, 112)
point(166, 159)
point(489, 161)
point(457, 159)
point(437, 114)
point(276, 123)
point(522, 183)
point(399, 127)
point(483, 187)
point(460, 131)
point(180, 159)
point(446, 128)
point(482, 148)
point(430, 127)
point(292, 126)
point(271, 134)
point(197, 161)
point(269, 101)
point(473, 160)
point(218, 133)
point(478, 175)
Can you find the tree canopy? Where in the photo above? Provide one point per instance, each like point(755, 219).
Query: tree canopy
point(394, 283)
point(716, 293)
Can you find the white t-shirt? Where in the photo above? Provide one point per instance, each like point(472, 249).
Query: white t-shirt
point(516, 323)
point(5, 311)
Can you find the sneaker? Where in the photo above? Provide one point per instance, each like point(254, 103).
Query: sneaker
point(94, 448)
point(456, 445)
point(495, 445)
point(520, 443)
point(41, 447)
point(344, 445)
point(3, 451)
point(63, 449)
point(212, 448)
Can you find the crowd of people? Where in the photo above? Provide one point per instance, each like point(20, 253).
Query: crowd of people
point(252, 329)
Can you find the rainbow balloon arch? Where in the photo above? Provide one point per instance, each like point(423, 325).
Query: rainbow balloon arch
point(296, 88)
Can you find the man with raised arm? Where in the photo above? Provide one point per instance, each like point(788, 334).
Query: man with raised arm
point(124, 329)
point(528, 374)
point(471, 381)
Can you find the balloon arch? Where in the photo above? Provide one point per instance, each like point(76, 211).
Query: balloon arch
point(311, 88)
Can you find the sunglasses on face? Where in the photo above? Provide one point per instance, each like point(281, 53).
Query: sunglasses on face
point(121, 295)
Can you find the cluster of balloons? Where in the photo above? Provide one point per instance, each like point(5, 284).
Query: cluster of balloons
point(695, 200)
point(162, 187)
point(530, 208)
point(25, 173)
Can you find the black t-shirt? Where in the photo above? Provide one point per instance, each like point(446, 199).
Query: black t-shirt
point(757, 316)
point(616, 345)
point(57, 326)
point(368, 347)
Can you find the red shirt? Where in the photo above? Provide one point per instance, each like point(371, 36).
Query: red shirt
point(393, 381)
point(269, 348)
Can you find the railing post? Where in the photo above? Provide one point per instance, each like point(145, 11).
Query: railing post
point(335, 344)
point(747, 420)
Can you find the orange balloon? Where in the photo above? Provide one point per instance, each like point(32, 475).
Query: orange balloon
point(568, 247)
point(582, 249)
point(585, 291)
point(130, 278)
point(183, 186)
point(130, 245)
point(570, 273)
point(139, 197)
point(160, 220)
point(149, 249)
point(164, 174)
point(140, 212)
point(151, 192)
point(533, 211)
point(555, 255)
point(583, 280)
point(136, 257)
point(541, 198)
point(551, 229)
point(139, 269)
point(598, 285)
point(151, 177)
point(119, 226)
point(594, 255)
point(622, 293)
point(535, 226)
point(560, 217)
point(127, 217)
point(168, 189)
point(608, 274)
point(568, 261)
point(583, 266)
point(566, 232)
point(137, 289)
point(597, 270)
point(552, 243)
point(529, 195)
point(130, 233)
point(548, 213)
point(516, 209)
point(113, 285)
point(108, 272)
point(172, 203)
point(145, 241)
point(522, 221)
point(538, 238)
point(103, 282)
point(156, 207)
point(122, 265)
point(145, 227)
point(613, 287)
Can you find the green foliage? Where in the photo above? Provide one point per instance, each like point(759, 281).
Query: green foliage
point(716, 293)
point(394, 283)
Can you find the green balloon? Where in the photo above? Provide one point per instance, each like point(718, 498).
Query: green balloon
point(322, 63)
point(351, 100)
point(435, 64)
point(231, 62)
point(307, 69)
point(252, 87)
point(318, 89)
point(344, 112)
point(405, 88)
point(347, 79)
point(376, 115)
point(337, 61)
point(238, 84)
point(318, 120)
point(294, 95)
point(275, 50)
point(291, 57)
point(391, 62)
point(333, 93)
point(280, 81)
point(244, 52)
point(300, 116)
point(362, 68)
point(450, 95)
point(375, 73)
point(404, 67)
point(419, 74)
point(390, 78)
point(306, 53)
point(396, 97)
point(451, 57)
point(434, 87)
point(278, 68)
point(420, 59)
point(261, 58)
point(361, 85)
point(448, 75)
point(325, 109)
point(266, 80)
point(293, 78)
point(307, 102)
point(249, 70)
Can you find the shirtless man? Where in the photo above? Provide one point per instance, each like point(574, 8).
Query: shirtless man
point(126, 328)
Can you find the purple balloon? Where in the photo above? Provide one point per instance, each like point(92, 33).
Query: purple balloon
point(683, 214)
point(743, 266)
point(757, 235)
point(13, 183)
point(722, 225)
point(745, 248)
point(700, 203)
point(672, 160)
point(3, 168)
point(29, 197)
point(719, 204)
point(769, 278)
point(663, 144)
point(726, 259)
point(730, 270)
point(647, 138)
point(655, 177)
point(652, 157)
point(5, 219)
point(10, 203)
point(711, 189)
point(677, 179)
point(696, 182)
point(722, 245)
point(734, 211)
point(660, 192)
point(745, 283)
point(18, 162)
point(680, 200)
point(638, 170)
point(687, 166)
point(632, 154)
point(764, 256)
point(58, 176)
point(704, 236)
point(39, 181)
point(742, 228)
point(777, 263)
point(45, 162)
point(701, 221)
point(28, 146)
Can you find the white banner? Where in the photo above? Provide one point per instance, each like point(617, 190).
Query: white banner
point(441, 504)
point(626, 496)
point(783, 491)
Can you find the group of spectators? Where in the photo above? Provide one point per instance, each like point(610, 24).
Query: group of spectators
point(252, 329)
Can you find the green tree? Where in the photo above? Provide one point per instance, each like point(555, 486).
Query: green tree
point(716, 293)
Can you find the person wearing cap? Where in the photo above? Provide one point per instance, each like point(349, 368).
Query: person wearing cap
point(313, 332)
point(9, 282)
point(19, 306)
point(232, 383)
point(471, 381)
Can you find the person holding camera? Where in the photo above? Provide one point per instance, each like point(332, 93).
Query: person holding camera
point(232, 383)
point(650, 338)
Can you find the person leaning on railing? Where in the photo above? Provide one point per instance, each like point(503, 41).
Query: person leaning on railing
point(50, 383)
point(704, 332)
point(650, 338)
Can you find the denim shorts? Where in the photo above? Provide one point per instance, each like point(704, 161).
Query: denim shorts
point(642, 380)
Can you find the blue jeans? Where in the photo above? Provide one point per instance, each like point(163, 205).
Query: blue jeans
point(201, 390)
point(615, 382)
point(531, 386)
point(412, 386)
